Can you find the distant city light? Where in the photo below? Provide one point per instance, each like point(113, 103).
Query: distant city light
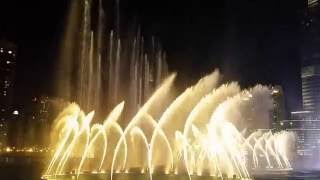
point(8, 62)
point(8, 149)
point(300, 112)
point(275, 91)
point(15, 112)
point(10, 52)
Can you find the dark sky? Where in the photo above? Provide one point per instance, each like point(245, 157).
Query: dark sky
point(251, 41)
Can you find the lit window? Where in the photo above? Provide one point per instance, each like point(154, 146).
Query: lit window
point(10, 52)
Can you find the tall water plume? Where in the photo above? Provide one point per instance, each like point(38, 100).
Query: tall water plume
point(200, 132)
point(95, 60)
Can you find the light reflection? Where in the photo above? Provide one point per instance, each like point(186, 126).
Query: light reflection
point(196, 134)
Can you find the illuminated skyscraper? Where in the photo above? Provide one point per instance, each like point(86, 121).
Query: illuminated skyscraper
point(7, 72)
point(310, 70)
point(306, 123)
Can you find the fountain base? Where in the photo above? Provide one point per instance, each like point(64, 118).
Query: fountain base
point(130, 176)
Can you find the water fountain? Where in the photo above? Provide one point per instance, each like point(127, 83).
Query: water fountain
point(94, 61)
point(195, 136)
point(202, 134)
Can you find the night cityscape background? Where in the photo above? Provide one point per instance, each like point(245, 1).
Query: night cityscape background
point(274, 43)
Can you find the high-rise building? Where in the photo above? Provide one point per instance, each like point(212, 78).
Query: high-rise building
point(310, 76)
point(307, 137)
point(306, 122)
point(278, 112)
point(310, 70)
point(38, 125)
point(7, 72)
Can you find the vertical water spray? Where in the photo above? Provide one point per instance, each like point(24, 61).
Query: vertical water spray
point(198, 133)
point(205, 141)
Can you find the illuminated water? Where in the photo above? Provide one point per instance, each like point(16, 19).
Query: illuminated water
point(309, 175)
point(208, 131)
point(95, 60)
point(196, 135)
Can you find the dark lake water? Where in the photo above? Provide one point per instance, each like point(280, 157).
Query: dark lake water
point(21, 167)
point(17, 167)
point(306, 175)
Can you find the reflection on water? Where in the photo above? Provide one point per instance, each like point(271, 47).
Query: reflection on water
point(16, 166)
point(30, 167)
point(276, 175)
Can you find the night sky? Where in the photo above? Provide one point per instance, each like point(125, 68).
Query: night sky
point(250, 41)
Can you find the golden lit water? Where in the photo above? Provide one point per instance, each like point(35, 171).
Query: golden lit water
point(198, 134)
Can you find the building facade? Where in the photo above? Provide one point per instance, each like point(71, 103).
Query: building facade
point(278, 112)
point(310, 55)
point(310, 76)
point(307, 139)
point(7, 73)
point(306, 122)
point(38, 127)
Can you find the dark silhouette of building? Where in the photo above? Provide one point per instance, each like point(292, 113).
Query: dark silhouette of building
point(37, 125)
point(7, 73)
point(278, 112)
point(310, 70)
point(306, 122)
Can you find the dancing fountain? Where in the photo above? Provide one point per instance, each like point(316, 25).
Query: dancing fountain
point(206, 132)
point(94, 62)
point(198, 134)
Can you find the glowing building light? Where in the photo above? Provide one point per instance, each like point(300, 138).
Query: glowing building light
point(10, 52)
point(8, 149)
point(15, 112)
